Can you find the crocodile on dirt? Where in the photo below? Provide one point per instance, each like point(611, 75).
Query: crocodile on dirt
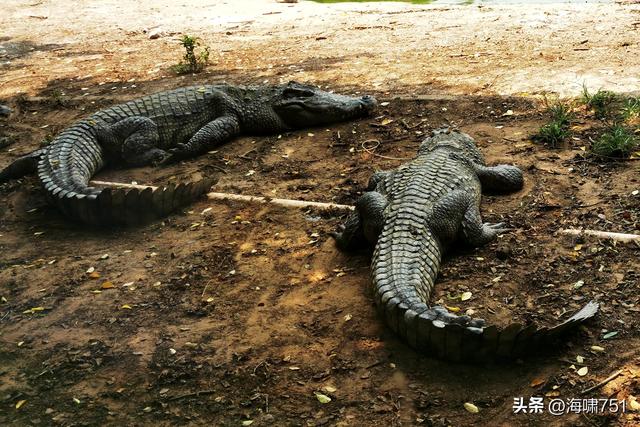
point(413, 215)
point(165, 127)
point(4, 113)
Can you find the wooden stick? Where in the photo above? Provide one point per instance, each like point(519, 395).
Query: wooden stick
point(239, 197)
point(622, 237)
point(122, 185)
point(610, 378)
point(282, 202)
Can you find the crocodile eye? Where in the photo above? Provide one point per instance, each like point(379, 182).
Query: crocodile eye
point(292, 92)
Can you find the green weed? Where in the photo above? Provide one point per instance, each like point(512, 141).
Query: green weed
point(631, 110)
point(616, 142)
point(558, 127)
point(46, 140)
point(58, 98)
point(192, 62)
point(603, 102)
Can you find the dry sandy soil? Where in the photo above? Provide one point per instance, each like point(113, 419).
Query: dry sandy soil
point(242, 313)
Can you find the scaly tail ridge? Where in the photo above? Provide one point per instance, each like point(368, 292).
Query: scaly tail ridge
point(67, 166)
point(403, 283)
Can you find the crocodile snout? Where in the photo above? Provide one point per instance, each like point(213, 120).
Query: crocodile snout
point(4, 111)
point(369, 103)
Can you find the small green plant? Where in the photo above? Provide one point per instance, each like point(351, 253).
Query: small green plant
point(602, 102)
point(58, 98)
point(631, 110)
point(558, 128)
point(561, 113)
point(46, 141)
point(616, 142)
point(192, 62)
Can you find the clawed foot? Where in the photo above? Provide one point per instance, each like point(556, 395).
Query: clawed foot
point(443, 315)
point(161, 158)
point(495, 229)
point(337, 235)
point(179, 152)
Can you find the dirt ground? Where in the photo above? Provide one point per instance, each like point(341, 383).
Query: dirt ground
point(241, 313)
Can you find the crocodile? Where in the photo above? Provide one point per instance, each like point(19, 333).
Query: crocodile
point(4, 111)
point(412, 215)
point(165, 127)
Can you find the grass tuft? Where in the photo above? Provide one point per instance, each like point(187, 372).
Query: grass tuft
point(558, 127)
point(602, 102)
point(616, 142)
point(631, 110)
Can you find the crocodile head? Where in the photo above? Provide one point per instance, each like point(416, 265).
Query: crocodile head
point(462, 144)
point(299, 106)
point(4, 111)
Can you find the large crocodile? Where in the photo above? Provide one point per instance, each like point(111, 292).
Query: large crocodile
point(412, 215)
point(4, 111)
point(164, 127)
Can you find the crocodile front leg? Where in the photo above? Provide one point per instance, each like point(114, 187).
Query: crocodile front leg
point(212, 134)
point(475, 232)
point(457, 216)
point(376, 182)
point(500, 178)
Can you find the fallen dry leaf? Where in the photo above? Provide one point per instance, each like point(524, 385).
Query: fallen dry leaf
point(470, 407)
point(108, 285)
point(322, 398)
point(538, 382)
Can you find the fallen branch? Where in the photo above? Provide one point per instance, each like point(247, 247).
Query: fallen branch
point(621, 237)
point(122, 185)
point(239, 197)
point(610, 378)
point(282, 202)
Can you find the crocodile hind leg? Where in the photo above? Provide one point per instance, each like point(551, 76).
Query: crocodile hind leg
point(474, 231)
point(500, 178)
point(141, 140)
point(25, 165)
point(363, 226)
point(140, 147)
point(214, 133)
point(457, 217)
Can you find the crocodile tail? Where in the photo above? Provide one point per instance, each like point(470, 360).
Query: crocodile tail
point(403, 282)
point(75, 156)
point(22, 166)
